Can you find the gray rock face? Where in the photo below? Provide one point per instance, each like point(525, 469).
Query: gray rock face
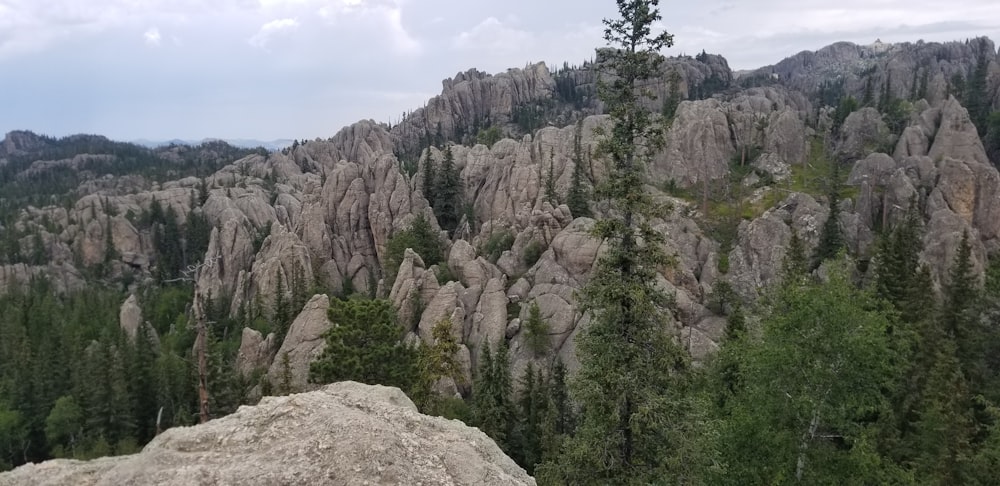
point(230, 251)
point(863, 132)
point(256, 352)
point(472, 96)
point(343, 434)
point(303, 344)
point(130, 321)
point(756, 260)
point(956, 136)
point(65, 277)
point(282, 258)
point(939, 160)
point(699, 145)
point(905, 67)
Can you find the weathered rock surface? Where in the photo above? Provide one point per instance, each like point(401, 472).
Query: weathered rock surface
point(863, 132)
point(756, 260)
point(920, 69)
point(130, 321)
point(343, 434)
point(303, 343)
point(256, 352)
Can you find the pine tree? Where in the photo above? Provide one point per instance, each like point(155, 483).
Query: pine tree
point(831, 238)
point(939, 442)
point(958, 315)
point(795, 266)
point(899, 277)
point(578, 198)
point(448, 194)
point(365, 346)
point(550, 180)
point(632, 374)
point(536, 330)
point(491, 395)
point(436, 361)
point(531, 408)
point(142, 384)
point(430, 178)
point(282, 309)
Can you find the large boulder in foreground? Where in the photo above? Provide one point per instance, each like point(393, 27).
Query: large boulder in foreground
point(342, 434)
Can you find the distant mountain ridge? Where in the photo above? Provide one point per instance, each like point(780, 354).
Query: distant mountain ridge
point(272, 145)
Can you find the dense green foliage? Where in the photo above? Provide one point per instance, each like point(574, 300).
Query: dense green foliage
point(421, 238)
point(632, 374)
point(578, 196)
point(809, 389)
point(73, 385)
point(365, 346)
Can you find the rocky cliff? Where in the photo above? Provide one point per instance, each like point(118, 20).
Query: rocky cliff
point(736, 171)
point(343, 434)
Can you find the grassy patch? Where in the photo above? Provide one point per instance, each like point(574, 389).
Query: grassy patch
point(813, 177)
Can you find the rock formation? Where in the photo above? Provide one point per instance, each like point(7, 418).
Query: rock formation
point(343, 434)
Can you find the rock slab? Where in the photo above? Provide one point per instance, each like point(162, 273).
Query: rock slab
point(343, 434)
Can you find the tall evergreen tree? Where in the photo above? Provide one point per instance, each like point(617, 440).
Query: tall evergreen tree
point(550, 180)
point(632, 373)
point(430, 177)
point(530, 408)
point(436, 361)
point(959, 315)
point(491, 395)
point(578, 198)
point(448, 194)
point(939, 443)
point(795, 266)
point(831, 238)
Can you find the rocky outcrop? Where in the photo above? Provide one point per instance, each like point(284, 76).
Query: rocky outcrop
point(863, 132)
point(283, 263)
point(904, 70)
point(130, 321)
point(940, 163)
point(256, 352)
point(343, 434)
point(65, 277)
point(474, 100)
point(230, 252)
point(303, 344)
point(699, 145)
point(756, 261)
point(19, 142)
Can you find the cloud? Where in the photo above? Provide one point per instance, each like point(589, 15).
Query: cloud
point(152, 37)
point(385, 14)
point(268, 30)
point(493, 35)
point(345, 56)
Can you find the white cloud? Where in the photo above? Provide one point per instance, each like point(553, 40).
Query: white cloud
point(493, 35)
point(385, 14)
point(268, 30)
point(152, 37)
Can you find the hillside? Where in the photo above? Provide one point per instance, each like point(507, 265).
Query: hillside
point(110, 253)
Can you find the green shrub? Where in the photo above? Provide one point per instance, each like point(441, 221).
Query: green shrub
point(444, 274)
point(533, 252)
point(536, 330)
point(498, 243)
point(420, 237)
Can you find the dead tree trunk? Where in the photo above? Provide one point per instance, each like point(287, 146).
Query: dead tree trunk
point(201, 343)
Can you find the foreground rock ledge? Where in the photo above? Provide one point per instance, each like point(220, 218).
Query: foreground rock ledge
point(343, 434)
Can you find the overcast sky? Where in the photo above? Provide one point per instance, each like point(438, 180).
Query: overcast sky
point(266, 69)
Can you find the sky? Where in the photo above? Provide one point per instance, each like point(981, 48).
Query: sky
point(270, 69)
